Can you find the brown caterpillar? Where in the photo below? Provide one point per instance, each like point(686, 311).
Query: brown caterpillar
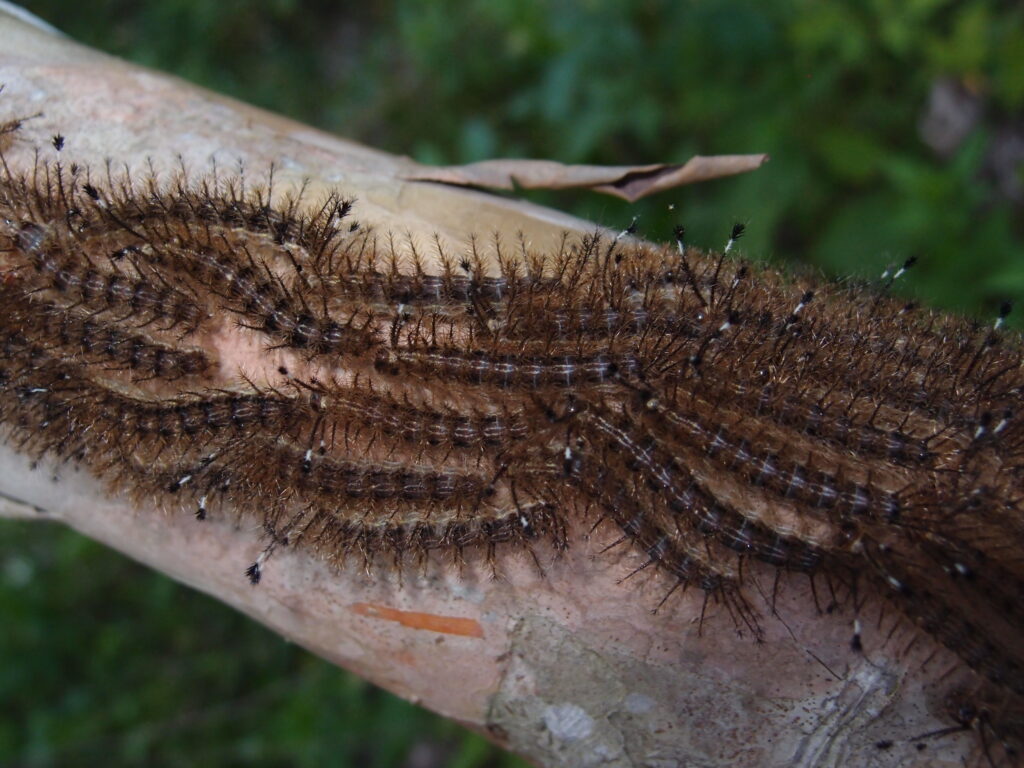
point(510, 371)
point(379, 414)
point(410, 540)
point(789, 479)
point(144, 296)
point(688, 501)
point(712, 411)
point(101, 341)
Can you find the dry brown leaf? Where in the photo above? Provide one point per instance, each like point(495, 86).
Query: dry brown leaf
point(630, 182)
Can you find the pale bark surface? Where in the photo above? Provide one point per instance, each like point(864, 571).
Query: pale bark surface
point(566, 667)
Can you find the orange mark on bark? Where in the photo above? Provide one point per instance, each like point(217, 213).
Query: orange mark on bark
point(448, 625)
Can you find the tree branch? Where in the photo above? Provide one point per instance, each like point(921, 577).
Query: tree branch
point(565, 664)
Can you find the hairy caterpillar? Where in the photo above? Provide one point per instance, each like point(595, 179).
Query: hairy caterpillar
point(101, 340)
point(143, 295)
point(714, 412)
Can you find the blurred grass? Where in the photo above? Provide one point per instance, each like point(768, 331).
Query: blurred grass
point(106, 663)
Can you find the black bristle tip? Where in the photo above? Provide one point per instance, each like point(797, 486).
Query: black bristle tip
point(910, 262)
point(253, 572)
point(1005, 308)
point(807, 298)
point(680, 232)
point(58, 142)
point(737, 231)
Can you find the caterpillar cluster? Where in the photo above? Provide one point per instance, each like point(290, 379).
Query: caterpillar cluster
point(78, 282)
point(99, 340)
point(712, 411)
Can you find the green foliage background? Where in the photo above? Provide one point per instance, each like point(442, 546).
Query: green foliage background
point(106, 663)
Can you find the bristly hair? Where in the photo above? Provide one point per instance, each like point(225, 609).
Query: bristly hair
point(713, 411)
